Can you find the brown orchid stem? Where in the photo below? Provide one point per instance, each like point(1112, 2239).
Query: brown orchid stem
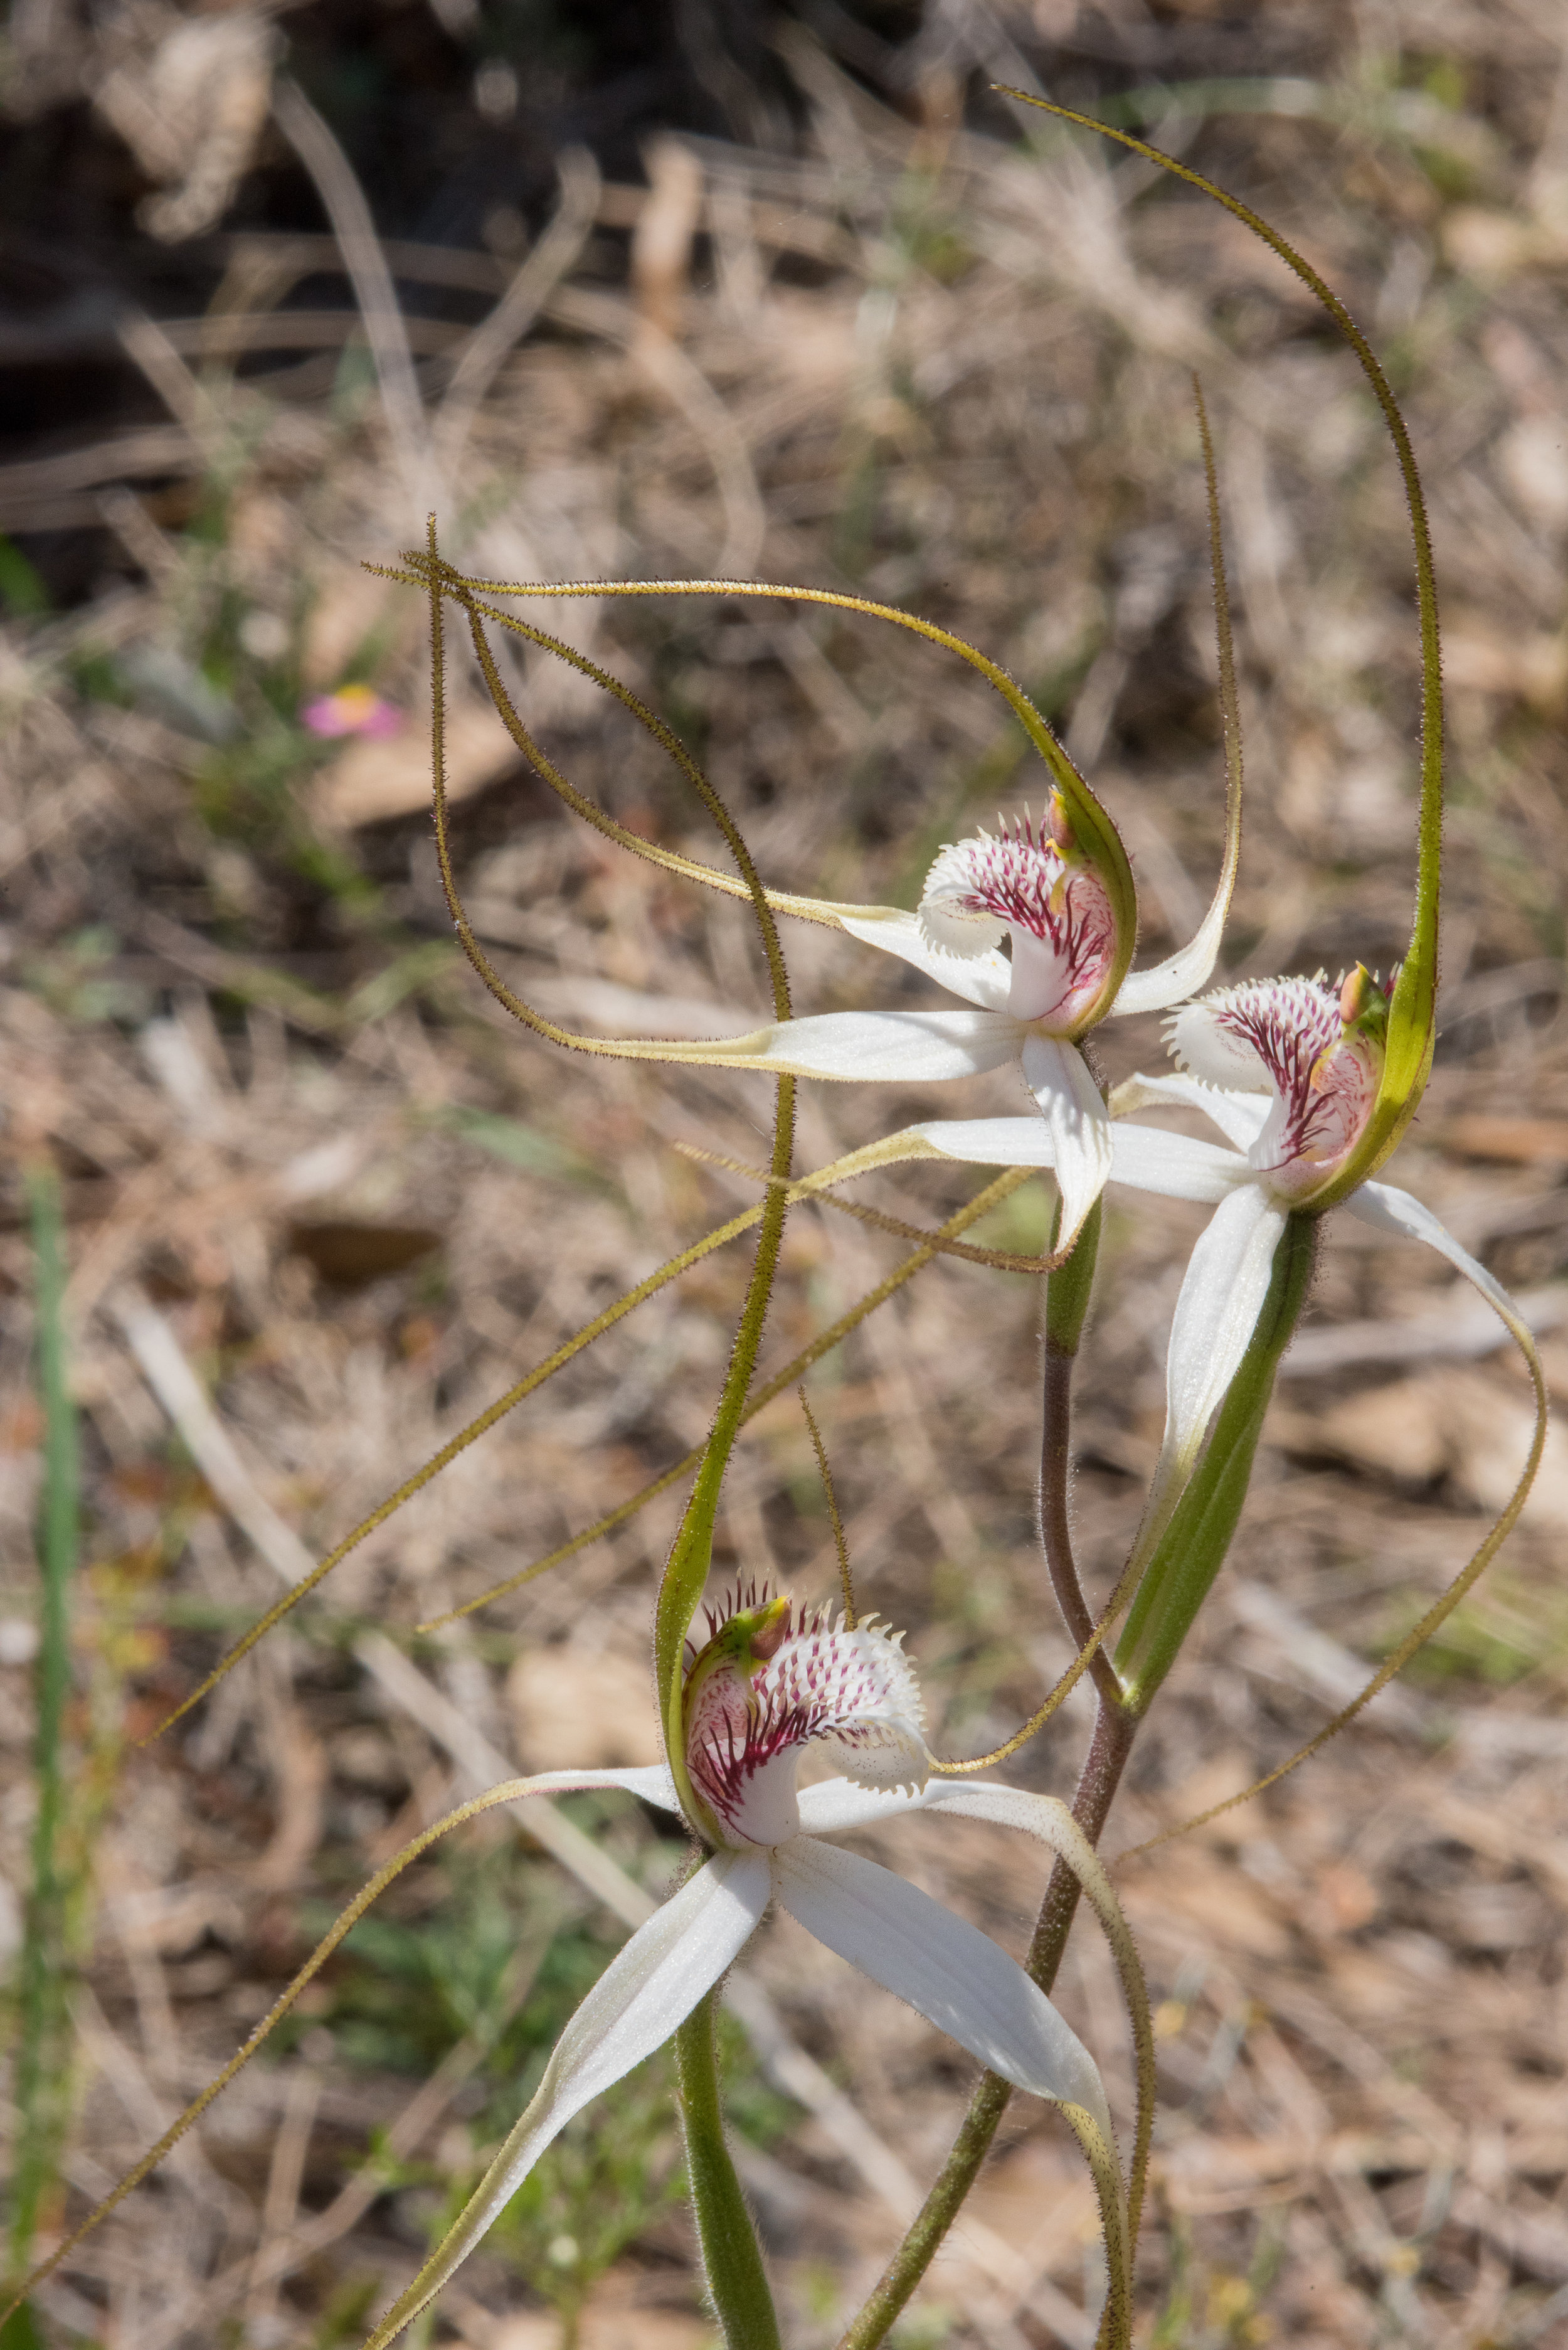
point(1066, 1307)
point(1101, 1773)
point(1184, 1567)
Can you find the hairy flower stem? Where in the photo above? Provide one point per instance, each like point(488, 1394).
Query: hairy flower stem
point(1178, 1578)
point(1106, 1760)
point(1066, 1306)
point(730, 2256)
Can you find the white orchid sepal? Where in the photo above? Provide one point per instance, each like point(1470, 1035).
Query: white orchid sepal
point(768, 1684)
point(1028, 1009)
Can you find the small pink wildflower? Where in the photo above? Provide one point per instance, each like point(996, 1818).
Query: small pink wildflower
point(352, 710)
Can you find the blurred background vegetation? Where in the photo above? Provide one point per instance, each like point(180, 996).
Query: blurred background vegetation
point(725, 287)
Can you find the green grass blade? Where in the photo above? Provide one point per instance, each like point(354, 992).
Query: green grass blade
point(43, 2057)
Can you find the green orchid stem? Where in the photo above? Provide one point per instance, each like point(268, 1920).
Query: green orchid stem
point(736, 2281)
point(42, 2061)
point(1067, 1293)
point(686, 1570)
point(1192, 1549)
point(1066, 1307)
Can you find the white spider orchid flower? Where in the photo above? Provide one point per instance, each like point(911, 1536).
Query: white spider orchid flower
point(1066, 917)
point(1290, 1071)
point(768, 1684)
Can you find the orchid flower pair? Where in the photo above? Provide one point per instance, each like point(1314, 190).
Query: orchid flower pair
point(770, 1683)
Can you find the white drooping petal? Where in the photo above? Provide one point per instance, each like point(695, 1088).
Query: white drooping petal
point(1217, 1309)
point(1146, 1158)
point(648, 1988)
point(946, 1969)
point(1057, 1074)
point(988, 1142)
point(1176, 1166)
point(982, 977)
point(1240, 1118)
point(1389, 1210)
point(891, 1047)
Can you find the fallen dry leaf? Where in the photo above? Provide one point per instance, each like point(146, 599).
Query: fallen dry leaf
point(1039, 2201)
point(1465, 1423)
point(571, 1706)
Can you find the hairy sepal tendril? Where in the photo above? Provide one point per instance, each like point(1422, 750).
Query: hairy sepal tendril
point(1412, 1008)
point(686, 1570)
point(1097, 834)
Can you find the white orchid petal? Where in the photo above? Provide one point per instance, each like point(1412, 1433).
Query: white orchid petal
point(834, 1806)
point(650, 1781)
point(989, 1141)
point(1240, 1118)
point(1164, 983)
point(1188, 968)
point(1216, 1310)
point(1057, 1074)
point(982, 979)
point(1389, 1210)
point(1177, 1166)
point(1145, 1157)
point(946, 1969)
point(891, 1047)
point(648, 1988)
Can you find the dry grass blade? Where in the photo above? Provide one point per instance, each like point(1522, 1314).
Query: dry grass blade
point(824, 1344)
point(344, 200)
point(488, 346)
point(274, 2016)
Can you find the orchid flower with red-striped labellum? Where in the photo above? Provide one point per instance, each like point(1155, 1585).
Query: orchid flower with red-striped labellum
point(1033, 929)
point(1291, 1072)
point(1039, 894)
point(770, 1682)
point(1040, 897)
